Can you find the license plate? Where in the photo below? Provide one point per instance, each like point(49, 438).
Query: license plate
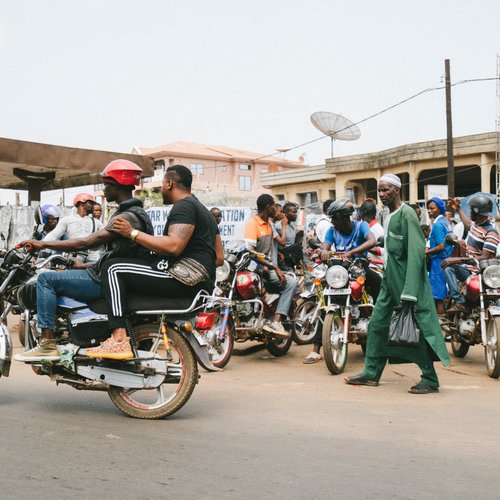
point(337, 291)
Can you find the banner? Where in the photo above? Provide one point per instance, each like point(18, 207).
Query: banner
point(232, 226)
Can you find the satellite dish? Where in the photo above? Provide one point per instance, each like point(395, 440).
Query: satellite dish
point(335, 126)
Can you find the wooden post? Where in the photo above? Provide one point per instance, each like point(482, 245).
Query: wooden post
point(449, 132)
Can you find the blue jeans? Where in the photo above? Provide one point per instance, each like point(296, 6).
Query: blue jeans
point(75, 284)
point(454, 274)
point(286, 291)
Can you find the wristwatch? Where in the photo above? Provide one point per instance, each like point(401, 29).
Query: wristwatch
point(134, 234)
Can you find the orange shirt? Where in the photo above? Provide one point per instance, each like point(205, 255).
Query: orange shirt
point(259, 235)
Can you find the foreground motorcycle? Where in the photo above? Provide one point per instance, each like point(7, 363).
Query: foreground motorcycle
point(245, 302)
point(480, 322)
point(167, 348)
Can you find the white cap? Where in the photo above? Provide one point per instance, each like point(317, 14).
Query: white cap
point(391, 179)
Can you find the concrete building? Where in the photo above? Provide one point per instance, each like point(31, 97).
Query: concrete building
point(419, 165)
point(221, 174)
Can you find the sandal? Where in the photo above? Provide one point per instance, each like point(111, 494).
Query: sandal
point(421, 388)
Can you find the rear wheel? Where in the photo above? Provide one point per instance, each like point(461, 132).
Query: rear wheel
point(181, 375)
point(334, 349)
point(303, 330)
point(492, 347)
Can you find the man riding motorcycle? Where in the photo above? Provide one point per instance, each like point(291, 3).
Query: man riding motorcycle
point(349, 238)
point(259, 237)
point(120, 178)
point(181, 262)
point(482, 242)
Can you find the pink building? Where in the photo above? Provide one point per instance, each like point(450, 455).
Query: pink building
point(220, 173)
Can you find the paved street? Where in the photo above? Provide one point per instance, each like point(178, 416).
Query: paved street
point(263, 428)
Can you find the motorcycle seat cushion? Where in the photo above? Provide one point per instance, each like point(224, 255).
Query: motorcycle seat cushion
point(139, 302)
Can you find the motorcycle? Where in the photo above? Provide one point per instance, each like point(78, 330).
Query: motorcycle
point(308, 307)
point(480, 322)
point(168, 341)
point(343, 308)
point(245, 303)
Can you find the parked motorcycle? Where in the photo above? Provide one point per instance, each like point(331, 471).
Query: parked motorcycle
point(345, 310)
point(245, 303)
point(480, 322)
point(166, 338)
point(308, 307)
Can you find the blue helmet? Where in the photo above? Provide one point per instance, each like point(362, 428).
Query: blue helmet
point(50, 211)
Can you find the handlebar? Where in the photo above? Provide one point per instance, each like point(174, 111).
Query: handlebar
point(48, 260)
point(27, 246)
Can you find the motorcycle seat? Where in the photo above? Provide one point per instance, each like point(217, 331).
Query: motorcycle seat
point(140, 302)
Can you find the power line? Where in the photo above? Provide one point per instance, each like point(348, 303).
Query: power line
point(385, 110)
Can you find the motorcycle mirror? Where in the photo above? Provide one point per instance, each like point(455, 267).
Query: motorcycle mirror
point(38, 215)
point(314, 243)
point(451, 239)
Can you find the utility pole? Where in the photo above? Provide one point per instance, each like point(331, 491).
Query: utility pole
point(449, 131)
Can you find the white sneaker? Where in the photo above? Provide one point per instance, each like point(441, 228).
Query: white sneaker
point(276, 328)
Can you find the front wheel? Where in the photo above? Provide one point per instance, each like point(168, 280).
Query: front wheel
point(179, 365)
point(21, 331)
point(492, 347)
point(303, 329)
point(279, 347)
point(223, 352)
point(459, 348)
point(334, 349)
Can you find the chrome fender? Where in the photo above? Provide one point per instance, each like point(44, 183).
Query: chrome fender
point(5, 350)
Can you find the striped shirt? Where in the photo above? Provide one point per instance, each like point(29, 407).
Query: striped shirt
point(482, 237)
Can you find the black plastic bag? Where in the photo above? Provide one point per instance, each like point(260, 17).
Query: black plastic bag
point(404, 330)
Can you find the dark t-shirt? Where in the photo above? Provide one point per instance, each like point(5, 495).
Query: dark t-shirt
point(201, 246)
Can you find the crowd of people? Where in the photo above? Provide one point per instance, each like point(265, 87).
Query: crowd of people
point(420, 270)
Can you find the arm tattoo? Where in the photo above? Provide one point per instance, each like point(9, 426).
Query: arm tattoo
point(182, 231)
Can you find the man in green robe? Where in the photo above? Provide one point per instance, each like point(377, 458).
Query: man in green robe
point(405, 281)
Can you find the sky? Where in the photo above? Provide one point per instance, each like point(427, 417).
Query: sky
point(122, 73)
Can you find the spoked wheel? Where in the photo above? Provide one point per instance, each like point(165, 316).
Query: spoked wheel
point(334, 350)
point(181, 375)
point(222, 353)
point(303, 330)
point(492, 347)
point(458, 347)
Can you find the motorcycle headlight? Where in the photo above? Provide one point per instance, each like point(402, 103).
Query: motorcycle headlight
point(319, 271)
point(222, 272)
point(491, 276)
point(337, 277)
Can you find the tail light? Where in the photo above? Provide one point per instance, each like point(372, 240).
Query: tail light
point(205, 321)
